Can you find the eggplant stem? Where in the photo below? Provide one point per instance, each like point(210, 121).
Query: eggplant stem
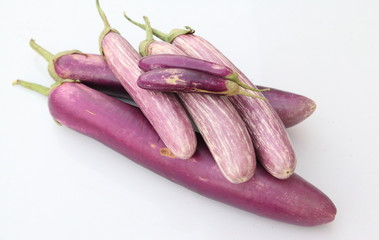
point(234, 78)
point(33, 86)
point(242, 91)
point(159, 34)
point(107, 26)
point(240, 83)
point(149, 31)
point(102, 15)
point(144, 45)
point(48, 56)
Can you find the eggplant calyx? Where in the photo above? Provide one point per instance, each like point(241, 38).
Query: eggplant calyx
point(51, 58)
point(107, 27)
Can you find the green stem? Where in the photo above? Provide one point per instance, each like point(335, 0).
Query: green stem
point(234, 78)
point(149, 31)
point(159, 34)
point(242, 91)
point(144, 45)
point(48, 56)
point(102, 15)
point(107, 26)
point(33, 86)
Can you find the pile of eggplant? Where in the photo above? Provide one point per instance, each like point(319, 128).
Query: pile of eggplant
point(196, 119)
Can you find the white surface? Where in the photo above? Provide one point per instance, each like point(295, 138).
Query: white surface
point(58, 184)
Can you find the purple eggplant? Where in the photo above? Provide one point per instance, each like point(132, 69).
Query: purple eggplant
point(189, 81)
point(93, 70)
point(179, 61)
point(163, 110)
point(126, 130)
point(148, 63)
point(90, 69)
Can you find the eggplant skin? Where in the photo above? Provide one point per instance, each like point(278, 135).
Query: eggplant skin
point(291, 108)
point(160, 61)
point(125, 129)
point(182, 80)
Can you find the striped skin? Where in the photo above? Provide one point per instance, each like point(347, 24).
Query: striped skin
point(273, 146)
point(163, 110)
point(220, 125)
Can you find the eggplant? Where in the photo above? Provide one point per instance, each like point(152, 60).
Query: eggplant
point(125, 129)
point(163, 110)
point(189, 81)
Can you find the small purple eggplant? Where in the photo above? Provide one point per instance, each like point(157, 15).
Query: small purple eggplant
point(190, 81)
point(159, 61)
point(180, 61)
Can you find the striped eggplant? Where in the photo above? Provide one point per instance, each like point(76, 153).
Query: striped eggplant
point(272, 143)
point(126, 130)
point(163, 110)
point(217, 120)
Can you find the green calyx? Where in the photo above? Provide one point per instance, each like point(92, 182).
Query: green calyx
point(144, 45)
point(234, 78)
point(163, 36)
point(51, 58)
point(107, 26)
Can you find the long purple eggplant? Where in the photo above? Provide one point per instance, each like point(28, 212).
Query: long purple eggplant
point(218, 121)
point(163, 110)
point(272, 143)
point(93, 70)
point(125, 129)
point(189, 81)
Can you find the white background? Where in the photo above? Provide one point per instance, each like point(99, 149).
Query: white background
point(58, 184)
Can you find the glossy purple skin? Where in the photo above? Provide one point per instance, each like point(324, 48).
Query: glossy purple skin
point(179, 61)
point(92, 70)
point(181, 80)
point(292, 108)
point(125, 129)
